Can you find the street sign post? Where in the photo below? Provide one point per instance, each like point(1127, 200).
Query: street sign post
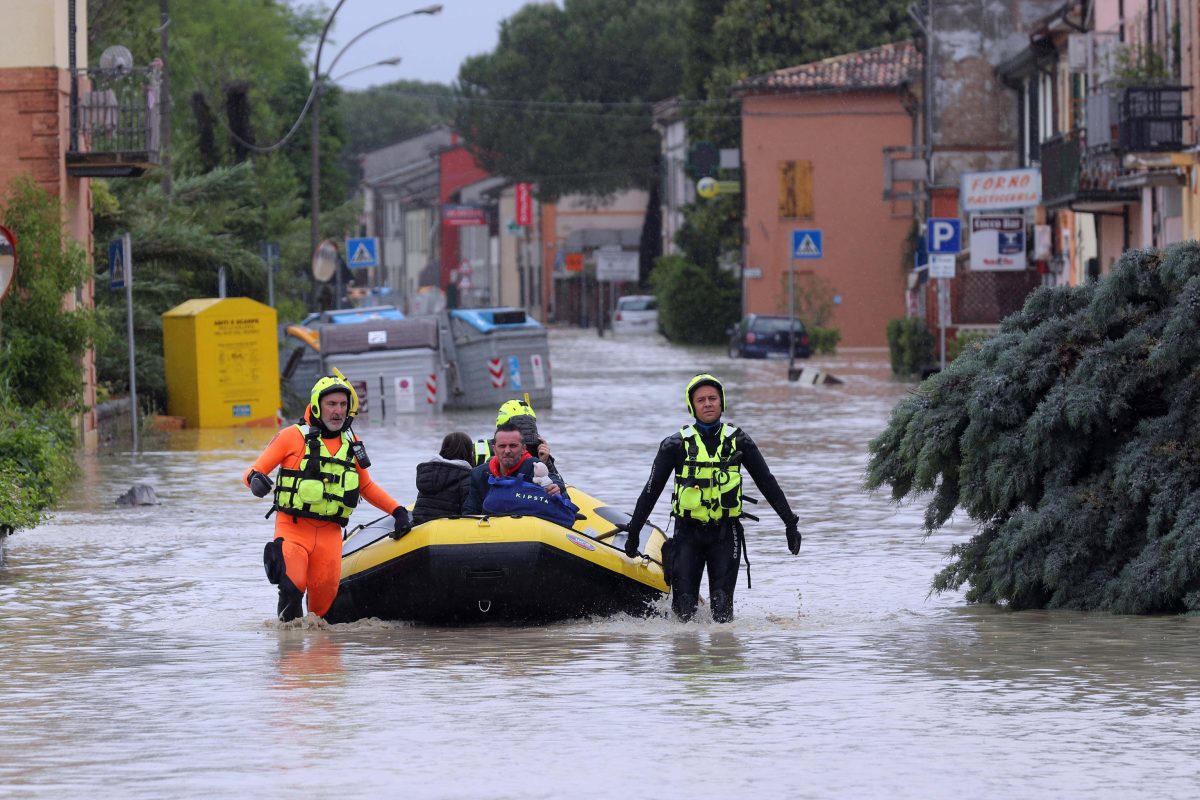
point(120, 276)
point(943, 241)
point(270, 256)
point(8, 260)
point(807, 244)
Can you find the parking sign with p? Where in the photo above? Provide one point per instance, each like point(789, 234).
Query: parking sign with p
point(943, 235)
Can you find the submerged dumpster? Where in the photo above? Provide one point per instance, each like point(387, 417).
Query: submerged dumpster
point(493, 355)
point(221, 357)
point(393, 364)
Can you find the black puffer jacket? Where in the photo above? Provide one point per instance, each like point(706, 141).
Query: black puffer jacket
point(442, 487)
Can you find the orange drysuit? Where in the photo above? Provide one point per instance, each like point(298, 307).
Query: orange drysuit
point(312, 548)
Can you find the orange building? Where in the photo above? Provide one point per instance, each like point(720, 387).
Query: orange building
point(813, 138)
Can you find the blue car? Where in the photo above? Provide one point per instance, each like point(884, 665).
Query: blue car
point(761, 336)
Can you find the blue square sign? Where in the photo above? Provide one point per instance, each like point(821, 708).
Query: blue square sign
point(807, 244)
point(362, 252)
point(943, 235)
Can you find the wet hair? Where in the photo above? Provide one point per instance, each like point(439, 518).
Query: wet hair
point(457, 446)
point(507, 426)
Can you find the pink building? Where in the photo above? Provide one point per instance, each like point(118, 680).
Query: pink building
point(812, 143)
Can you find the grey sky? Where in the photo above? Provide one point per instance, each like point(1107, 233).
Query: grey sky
point(432, 46)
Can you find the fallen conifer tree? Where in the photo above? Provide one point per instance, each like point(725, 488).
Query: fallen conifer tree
point(1073, 439)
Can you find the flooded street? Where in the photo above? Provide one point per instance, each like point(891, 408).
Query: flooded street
point(140, 658)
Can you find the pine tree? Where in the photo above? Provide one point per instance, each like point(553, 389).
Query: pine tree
point(1073, 439)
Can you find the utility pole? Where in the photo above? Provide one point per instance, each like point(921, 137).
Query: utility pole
point(164, 101)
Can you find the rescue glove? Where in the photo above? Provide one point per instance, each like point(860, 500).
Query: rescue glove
point(793, 537)
point(403, 522)
point(631, 541)
point(260, 485)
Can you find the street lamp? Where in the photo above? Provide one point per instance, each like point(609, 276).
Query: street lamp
point(315, 188)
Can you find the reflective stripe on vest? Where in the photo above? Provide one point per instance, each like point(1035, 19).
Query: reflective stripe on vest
point(324, 486)
point(483, 451)
point(708, 486)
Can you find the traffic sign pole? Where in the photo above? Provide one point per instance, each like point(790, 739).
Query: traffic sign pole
point(127, 263)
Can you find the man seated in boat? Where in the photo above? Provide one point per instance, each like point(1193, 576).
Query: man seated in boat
point(521, 414)
point(506, 484)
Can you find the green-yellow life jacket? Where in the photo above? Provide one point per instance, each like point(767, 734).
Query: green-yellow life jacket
point(324, 486)
point(708, 486)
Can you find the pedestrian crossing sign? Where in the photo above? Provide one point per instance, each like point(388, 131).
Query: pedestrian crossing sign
point(807, 244)
point(362, 252)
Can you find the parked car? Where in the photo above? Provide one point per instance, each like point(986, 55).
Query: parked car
point(635, 313)
point(760, 336)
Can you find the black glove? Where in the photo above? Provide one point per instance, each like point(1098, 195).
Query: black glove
point(403, 522)
point(631, 542)
point(260, 485)
point(793, 537)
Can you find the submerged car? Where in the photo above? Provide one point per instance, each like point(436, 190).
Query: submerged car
point(760, 336)
point(635, 313)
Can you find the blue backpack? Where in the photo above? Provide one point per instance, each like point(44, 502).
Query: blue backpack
point(518, 497)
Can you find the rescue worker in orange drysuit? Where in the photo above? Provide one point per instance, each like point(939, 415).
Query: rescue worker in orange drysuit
point(322, 473)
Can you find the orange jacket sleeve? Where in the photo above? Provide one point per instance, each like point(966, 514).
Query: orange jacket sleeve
point(286, 449)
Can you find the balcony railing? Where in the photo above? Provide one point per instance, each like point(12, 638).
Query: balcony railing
point(115, 123)
point(1079, 176)
point(1136, 119)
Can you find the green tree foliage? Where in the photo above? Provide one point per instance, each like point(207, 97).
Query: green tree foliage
point(40, 342)
point(565, 98)
point(696, 305)
point(1073, 439)
point(181, 242)
point(387, 114)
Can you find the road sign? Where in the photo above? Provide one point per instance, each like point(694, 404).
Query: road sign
point(116, 264)
point(616, 265)
point(524, 200)
point(8, 260)
point(943, 235)
point(807, 244)
point(363, 252)
point(269, 251)
point(941, 265)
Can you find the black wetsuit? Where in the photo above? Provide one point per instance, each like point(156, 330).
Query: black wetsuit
point(711, 545)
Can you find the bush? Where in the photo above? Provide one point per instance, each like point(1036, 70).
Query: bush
point(910, 345)
point(37, 447)
point(824, 341)
point(695, 305)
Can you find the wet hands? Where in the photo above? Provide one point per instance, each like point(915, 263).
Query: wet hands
point(403, 522)
point(260, 485)
point(793, 537)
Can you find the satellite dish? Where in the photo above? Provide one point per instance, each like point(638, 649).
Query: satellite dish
point(116, 59)
point(325, 261)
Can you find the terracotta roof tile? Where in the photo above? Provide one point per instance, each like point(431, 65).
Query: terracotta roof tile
point(887, 67)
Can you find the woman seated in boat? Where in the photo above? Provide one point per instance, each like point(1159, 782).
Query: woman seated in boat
point(505, 484)
point(443, 481)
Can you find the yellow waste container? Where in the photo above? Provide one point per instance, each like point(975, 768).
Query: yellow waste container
point(222, 362)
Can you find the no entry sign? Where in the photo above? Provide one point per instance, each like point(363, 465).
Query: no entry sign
point(8, 260)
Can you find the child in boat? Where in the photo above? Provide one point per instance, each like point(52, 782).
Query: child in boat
point(443, 482)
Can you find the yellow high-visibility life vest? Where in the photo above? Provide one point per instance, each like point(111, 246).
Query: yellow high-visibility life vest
point(708, 486)
point(324, 486)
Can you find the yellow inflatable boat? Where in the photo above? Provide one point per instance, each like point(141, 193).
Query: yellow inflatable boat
point(480, 569)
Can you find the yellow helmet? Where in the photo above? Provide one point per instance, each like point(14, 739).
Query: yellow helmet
point(514, 408)
point(328, 385)
point(703, 379)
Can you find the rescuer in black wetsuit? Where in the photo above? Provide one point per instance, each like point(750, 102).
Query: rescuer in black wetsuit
point(706, 457)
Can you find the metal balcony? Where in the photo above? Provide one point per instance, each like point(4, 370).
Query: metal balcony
point(114, 123)
point(1151, 119)
point(1079, 177)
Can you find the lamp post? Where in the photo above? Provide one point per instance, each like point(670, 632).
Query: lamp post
point(315, 187)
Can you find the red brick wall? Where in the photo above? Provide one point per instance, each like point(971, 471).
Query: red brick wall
point(34, 137)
